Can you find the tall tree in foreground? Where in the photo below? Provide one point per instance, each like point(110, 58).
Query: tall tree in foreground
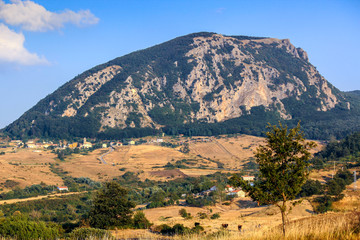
point(111, 208)
point(283, 164)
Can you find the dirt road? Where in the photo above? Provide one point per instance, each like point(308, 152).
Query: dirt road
point(10, 201)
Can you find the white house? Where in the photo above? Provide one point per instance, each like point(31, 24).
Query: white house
point(237, 193)
point(248, 178)
point(63, 188)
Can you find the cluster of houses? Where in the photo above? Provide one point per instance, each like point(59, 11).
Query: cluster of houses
point(229, 190)
point(32, 144)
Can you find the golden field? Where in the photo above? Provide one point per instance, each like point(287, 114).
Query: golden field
point(28, 166)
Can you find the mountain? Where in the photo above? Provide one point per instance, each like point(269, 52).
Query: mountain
point(199, 84)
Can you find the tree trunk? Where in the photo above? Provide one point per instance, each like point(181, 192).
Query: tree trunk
point(283, 221)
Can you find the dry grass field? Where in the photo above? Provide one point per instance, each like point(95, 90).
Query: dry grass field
point(28, 167)
point(259, 222)
point(234, 215)
point(233, 152)
point(78, 165)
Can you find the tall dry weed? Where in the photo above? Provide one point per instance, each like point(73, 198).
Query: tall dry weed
point(328, 226)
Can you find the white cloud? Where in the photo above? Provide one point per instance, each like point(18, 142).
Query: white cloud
point(12, 48)
point(34, 17)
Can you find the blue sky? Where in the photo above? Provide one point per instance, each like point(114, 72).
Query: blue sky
point(44, 44)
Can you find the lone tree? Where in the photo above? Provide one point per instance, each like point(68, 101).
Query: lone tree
point(111, 208)
point(283, 168)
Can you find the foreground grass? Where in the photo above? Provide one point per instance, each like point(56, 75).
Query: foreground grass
point(331, 226)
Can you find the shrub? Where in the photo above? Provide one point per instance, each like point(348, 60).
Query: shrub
point(90, 233)
point(325, 204)
point(165, 229)
point(202, 215)
point(21, 228)
point(197, 229)
point(183, 213)
point(180, 229)
point(140, 221)
point(215, 216)
point(311, 187)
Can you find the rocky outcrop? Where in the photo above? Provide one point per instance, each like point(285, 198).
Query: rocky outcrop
point(204, 77)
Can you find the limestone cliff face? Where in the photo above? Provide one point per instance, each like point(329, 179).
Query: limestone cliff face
point(254, 84)
point(203, 77)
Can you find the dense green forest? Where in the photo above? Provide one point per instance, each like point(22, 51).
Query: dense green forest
point(345, 151)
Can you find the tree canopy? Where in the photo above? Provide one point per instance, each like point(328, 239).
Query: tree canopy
point(283, 164)
point(111, 208)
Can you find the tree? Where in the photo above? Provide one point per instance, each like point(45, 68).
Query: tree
point(140, 221)
point(111, 208)
point(311, 187)
point(283, 168)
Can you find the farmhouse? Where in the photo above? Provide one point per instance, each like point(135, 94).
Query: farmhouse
point(237, 193)
point(86, 144)
point(248, 178)
point(63, 188)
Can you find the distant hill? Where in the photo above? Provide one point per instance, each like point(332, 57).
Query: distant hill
point(356, 92)
point(198, 84)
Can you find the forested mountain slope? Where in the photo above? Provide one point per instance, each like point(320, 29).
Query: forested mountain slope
point(199, 84)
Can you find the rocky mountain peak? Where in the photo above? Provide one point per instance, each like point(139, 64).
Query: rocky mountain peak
point(205, 78)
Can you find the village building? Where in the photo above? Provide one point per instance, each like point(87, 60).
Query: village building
point(86, 144)
point(31, 145)
point(63, 188)
point(73, 145)
point(248, 178)
point(237, 193)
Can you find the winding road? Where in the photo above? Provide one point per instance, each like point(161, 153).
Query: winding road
point(111, 149)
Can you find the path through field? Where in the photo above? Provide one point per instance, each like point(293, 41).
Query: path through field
point(16, 200)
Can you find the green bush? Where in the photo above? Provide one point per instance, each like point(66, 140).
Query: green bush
point(140, 221)
point(215, 216)
point(311, 187)
point(90, 233)
point(21, 228)
point(325, 204)
point(202, 215)
point(183, 213)
point(165, 229)
point(178, 229)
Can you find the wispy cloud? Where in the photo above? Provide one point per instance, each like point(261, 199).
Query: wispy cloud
point(34, 17)
point(12, 48)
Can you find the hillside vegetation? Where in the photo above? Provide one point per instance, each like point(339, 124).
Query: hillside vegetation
point(199, 84)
